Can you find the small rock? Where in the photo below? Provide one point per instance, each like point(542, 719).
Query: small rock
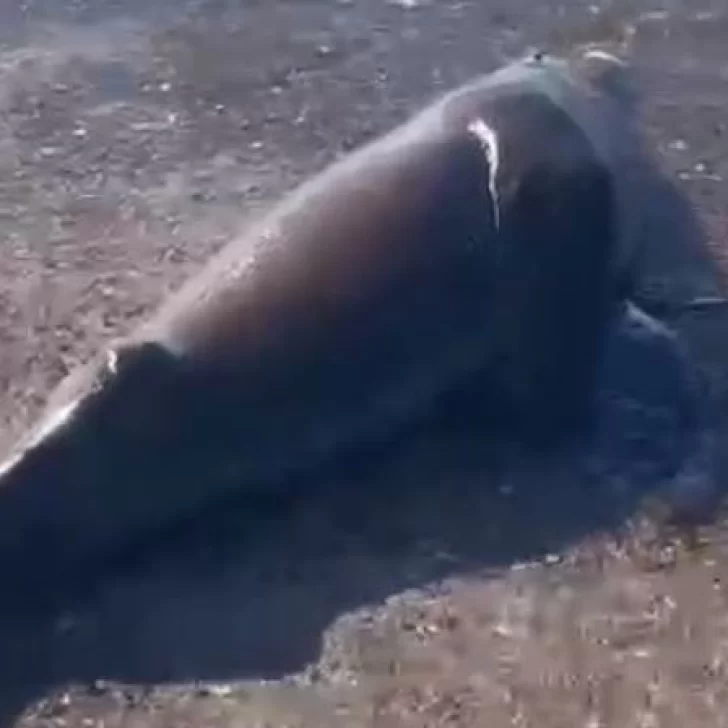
point(99, 687)
point(216, 691)
point(201, 196)
point(141, 126)
point(502, 630)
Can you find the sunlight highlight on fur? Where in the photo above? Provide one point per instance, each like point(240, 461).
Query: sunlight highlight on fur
point(489, 141)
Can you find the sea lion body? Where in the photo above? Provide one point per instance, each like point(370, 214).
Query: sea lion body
point(478, 238)
point(598, 91)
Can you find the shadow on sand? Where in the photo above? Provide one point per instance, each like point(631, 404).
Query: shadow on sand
point(248, 593)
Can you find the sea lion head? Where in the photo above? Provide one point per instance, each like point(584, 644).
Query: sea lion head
point(593, 68)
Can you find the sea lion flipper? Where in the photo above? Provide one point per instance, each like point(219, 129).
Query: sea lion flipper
point(655, 417)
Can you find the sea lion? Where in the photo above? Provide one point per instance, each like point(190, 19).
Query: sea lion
point(481, 236)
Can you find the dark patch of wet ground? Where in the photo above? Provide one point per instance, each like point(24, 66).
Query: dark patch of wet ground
point(430, 590)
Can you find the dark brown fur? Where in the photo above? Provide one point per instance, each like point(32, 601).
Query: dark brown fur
point(345, 313)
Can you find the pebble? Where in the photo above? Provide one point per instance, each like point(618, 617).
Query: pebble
point(216, 691)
